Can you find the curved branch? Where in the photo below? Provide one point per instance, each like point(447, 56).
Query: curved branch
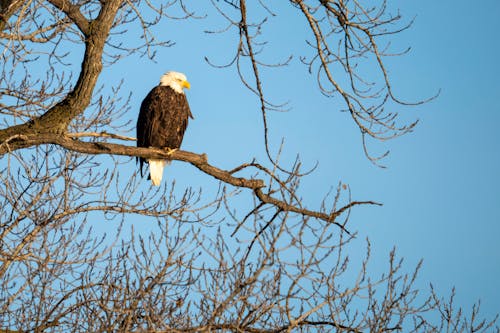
point(74, 14)
point(57, 118)
point(197, 160)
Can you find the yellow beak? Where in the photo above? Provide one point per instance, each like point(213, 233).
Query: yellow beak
point(186, 84)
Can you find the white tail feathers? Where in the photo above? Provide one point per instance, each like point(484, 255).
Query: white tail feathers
point(156, 170)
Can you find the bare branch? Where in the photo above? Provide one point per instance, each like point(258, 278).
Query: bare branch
point(74, 14)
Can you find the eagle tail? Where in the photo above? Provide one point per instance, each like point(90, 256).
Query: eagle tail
point(156, 171)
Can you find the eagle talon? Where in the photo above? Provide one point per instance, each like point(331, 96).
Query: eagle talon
point(170, 151)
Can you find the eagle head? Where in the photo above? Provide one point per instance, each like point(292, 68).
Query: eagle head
point(175, 80)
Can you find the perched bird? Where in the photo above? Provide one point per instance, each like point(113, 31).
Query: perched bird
point(163, 119)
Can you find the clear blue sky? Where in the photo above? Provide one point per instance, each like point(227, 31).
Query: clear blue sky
point(441, 190)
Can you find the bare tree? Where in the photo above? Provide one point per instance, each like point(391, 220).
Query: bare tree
point(273, 266)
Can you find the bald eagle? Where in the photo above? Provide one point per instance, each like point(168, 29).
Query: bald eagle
point(163, 119)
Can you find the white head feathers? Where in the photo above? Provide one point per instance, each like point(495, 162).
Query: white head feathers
point(175, 80)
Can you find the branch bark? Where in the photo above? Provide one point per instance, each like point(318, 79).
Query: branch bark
point(7, 9)
point(74, 14)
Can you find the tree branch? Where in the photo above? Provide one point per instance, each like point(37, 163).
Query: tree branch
point(199, 161)
point(74, 14)
point(7, 9)
point(57, 118)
